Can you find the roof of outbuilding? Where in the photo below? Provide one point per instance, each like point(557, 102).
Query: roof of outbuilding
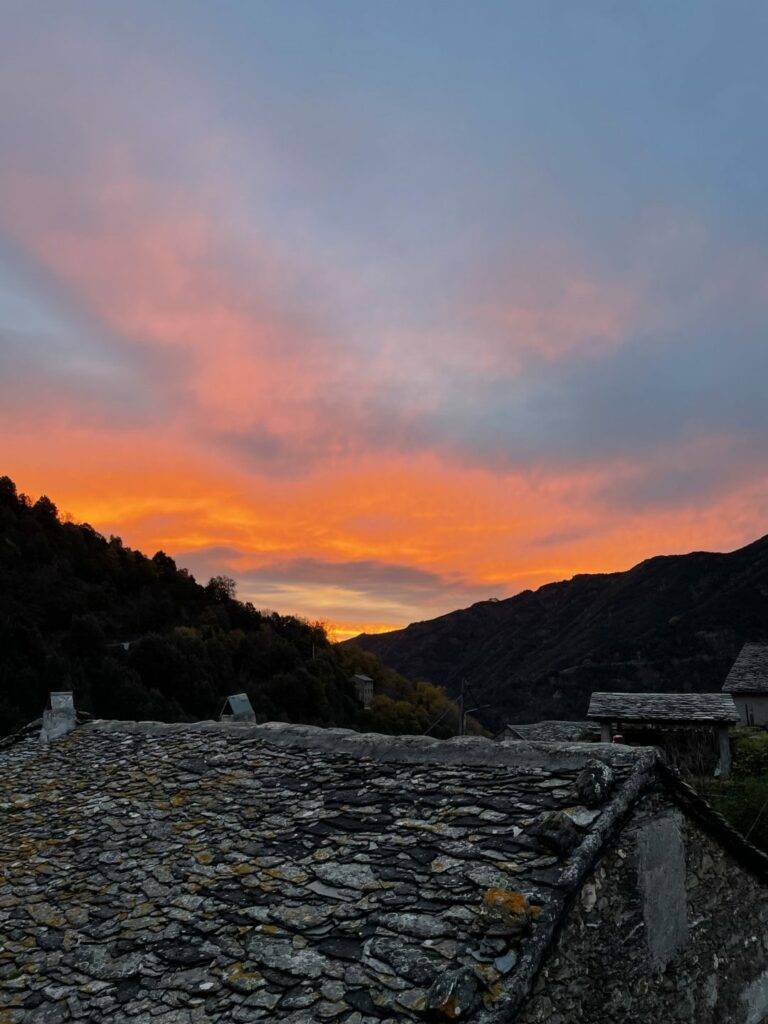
point(663, 707)
point(750, 671)
point(554, 731)
point(223, 872)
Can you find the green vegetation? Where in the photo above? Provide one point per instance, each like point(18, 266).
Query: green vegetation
point(70, 600)
point(743, 799)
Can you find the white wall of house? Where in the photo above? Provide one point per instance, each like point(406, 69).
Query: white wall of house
point(753, 708)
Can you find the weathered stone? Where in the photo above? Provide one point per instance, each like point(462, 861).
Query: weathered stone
point(556, 830)
point(594, 783)
point(505, 912)
point(453, 994)
point(300, 917)
point(281, 956)
point(423, 926)
point(241, 979)
point(348, 876)
point(405, 961)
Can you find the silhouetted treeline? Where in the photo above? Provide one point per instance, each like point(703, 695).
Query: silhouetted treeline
point(70, 600)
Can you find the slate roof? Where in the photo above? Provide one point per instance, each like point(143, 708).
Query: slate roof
point(663, 707)
point(553, 731)
point(750, 671)
point(227, 873)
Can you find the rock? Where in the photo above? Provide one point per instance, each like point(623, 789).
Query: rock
point(299, 918)
point(341, 949)
point(504, 964)
point(556, 830)
point(506, 913)
point(405, 961)
point(594, 783)
point(453, 994)
point(332, 990)
point(581, 816)
point(185, 954)
point(237, 977)
point(97, 962)
point(423, 926)
point(280, 955)
point(349, 876)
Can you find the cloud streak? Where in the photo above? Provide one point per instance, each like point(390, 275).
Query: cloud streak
point(379, 355)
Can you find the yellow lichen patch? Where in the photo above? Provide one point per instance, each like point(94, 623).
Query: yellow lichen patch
point(242, 869)
point(487, 973)
point(449, 1008)
point(204, 858)
point(512, 903)
point(493, 994)
point(178, 799)
point(238, 978)
point(286, 874)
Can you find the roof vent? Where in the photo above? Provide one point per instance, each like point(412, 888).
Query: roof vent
point(58, 717)
point(237, 708)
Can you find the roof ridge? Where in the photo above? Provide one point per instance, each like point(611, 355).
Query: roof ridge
point(477, 750)
point(584, 859)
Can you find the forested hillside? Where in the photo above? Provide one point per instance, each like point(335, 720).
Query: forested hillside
point(671, 623)
point(70, 600)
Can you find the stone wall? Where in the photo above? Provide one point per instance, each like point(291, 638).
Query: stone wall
point(753, 708)
point(669, 928)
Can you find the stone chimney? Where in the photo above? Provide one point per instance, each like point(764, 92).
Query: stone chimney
point(58, 717)
point(239, 707)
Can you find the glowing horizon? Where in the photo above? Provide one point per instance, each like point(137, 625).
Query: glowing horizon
point(284, 296)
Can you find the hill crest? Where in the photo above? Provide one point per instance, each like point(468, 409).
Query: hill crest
point(669, 623)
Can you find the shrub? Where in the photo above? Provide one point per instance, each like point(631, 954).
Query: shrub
point(750, 752)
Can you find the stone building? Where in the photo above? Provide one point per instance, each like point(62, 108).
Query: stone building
point(747, 683)
point(227, 872)
point(691, 728)
point(363, 689)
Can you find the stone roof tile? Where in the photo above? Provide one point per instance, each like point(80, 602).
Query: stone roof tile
point(669, 707)
point(750, 671)
point(245, 873)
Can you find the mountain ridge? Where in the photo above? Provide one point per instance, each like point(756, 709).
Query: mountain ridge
point(670, 622)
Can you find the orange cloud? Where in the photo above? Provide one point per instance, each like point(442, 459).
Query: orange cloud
point(247, 378)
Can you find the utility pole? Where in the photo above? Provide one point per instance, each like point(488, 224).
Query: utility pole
point(463, 709)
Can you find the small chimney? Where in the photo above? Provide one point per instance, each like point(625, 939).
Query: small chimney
point(239, 707)
point(59, 717)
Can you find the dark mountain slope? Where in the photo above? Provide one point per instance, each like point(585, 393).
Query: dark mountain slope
point(71, 600)
point(671, 623)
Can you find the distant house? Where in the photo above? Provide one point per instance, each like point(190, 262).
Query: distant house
point(363, 689)
point(747, 683)
point(692, 728)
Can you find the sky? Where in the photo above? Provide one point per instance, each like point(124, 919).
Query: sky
point(384, 307)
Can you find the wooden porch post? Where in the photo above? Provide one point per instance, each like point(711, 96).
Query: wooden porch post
point(605, 732)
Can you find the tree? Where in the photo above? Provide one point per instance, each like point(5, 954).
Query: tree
point(222, 588)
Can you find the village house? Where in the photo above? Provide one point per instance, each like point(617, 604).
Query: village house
point(227, 872)
point(747, 683)
point(690, 728)
point(363, 689)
